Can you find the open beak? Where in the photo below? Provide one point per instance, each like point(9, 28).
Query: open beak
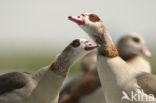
point(77, 19)
point(90, 46)
point(145, 51)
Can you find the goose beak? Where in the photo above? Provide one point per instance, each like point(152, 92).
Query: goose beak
point(90, 46)
point(80, 20)
point(145, 51)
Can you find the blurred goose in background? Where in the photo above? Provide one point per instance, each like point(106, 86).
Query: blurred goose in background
point(130, 47)
point(89, 62)
point(49, 85)
point(117, 77)
point(16, 87)
point(79, 87)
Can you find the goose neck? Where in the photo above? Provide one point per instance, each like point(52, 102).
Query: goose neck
point(63, 63)
point(102, 37)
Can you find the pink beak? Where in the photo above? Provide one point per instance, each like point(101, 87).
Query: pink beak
point(145, 51)
point(90, 46)
point(78, 19)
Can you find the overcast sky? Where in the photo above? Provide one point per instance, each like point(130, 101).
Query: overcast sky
point(44, 24)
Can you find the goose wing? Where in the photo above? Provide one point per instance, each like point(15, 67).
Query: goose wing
point(147, 82)
point(12, 81)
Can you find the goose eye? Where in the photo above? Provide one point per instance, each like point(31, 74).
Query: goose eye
point(76, 43)
point(94, 18)
point(135, 39)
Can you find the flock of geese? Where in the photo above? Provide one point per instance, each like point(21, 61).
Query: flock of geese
point(110, 74)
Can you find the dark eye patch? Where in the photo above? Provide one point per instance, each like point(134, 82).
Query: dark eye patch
point(135, 39)
point(76, 43)
point(94, 18)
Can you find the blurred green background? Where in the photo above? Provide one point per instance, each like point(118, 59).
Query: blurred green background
point(31, 61)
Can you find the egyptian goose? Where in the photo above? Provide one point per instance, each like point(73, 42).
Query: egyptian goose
point(116, 76)
point(49, 85)
point(129, 46)
point(16, 87)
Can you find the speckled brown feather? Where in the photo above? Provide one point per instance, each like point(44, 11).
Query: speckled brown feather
point(54, 69)
point(109, 52)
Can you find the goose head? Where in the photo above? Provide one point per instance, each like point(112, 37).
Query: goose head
point(86, 19)
point(132, 44)
point(89, 22)
point(82, 46)
point(96, 29)
point(77, 48)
